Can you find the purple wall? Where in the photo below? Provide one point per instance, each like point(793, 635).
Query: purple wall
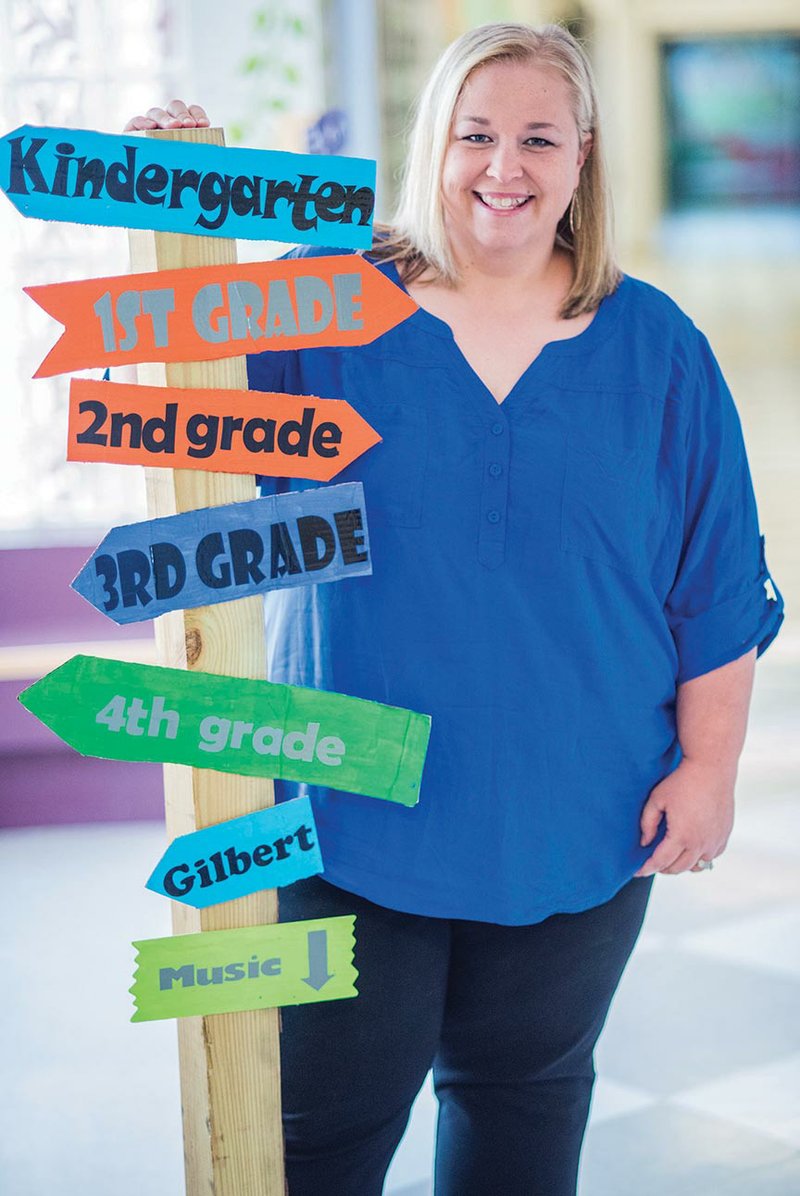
point(42, 781)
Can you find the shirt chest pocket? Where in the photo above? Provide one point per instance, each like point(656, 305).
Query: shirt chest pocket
point(605, 507)
point(395, 471)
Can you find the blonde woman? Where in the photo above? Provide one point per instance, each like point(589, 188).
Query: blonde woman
point(568, 575)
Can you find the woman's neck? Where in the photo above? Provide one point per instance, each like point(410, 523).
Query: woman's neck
point(504, 283)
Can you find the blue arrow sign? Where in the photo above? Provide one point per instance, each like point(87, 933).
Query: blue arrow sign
point(266, 850)
point(216, 554)
point(186, 187)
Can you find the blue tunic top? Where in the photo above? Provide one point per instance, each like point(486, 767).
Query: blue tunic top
point(545, 571)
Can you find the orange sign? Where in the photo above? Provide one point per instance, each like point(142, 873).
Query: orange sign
point(225, 431)
point(219, 311)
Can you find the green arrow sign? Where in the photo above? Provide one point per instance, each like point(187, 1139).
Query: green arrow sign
point(123, 711)
point(225, 971)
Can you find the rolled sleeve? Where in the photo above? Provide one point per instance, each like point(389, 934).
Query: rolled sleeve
point(723, 601)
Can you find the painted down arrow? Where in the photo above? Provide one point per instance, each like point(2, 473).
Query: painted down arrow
point(318, 974)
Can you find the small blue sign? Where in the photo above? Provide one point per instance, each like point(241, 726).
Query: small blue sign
point(187, 187)
point(328, 135)
point(265, 850)
point(216, 554)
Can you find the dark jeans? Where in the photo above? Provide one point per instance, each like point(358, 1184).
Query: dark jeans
point(508, 1017)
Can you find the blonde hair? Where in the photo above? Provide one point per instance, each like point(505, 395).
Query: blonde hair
point(417, 237)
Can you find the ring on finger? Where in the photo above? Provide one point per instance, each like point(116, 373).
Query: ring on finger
point(704, 865)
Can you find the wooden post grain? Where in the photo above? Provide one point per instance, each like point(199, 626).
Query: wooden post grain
point(229, 1062)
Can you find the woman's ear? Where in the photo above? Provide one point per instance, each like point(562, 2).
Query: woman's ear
point(585, 149)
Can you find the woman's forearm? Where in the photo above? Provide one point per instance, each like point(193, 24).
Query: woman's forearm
point(711, 713)
point(696, 798)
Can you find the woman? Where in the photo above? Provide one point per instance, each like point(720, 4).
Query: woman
point(568, 575)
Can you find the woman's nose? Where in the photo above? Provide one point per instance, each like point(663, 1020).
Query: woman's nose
point(505, 163)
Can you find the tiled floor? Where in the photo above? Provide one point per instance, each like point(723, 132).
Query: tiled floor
point(699, 1062)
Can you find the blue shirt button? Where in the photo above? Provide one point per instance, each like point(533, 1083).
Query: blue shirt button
point(493, 516)
point(497, 429)
point(495, 470)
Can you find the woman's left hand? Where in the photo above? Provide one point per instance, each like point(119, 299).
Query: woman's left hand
point(697, 800)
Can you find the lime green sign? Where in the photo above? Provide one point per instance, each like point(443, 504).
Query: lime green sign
point(123, 711)
point(256, 967)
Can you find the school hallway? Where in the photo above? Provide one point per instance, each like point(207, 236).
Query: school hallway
point(699, 1062)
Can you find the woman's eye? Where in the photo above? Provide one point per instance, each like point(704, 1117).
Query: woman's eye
point(483, 138)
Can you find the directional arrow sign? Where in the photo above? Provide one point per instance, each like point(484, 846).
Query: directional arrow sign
point(224, 971)
point(219, 311)
point(264, 850)
point(123, 711)
point(184, 187)
point(225, 431)
point(218, 553)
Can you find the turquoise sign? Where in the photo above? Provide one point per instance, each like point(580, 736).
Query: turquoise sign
point(265, 850)
point(186, 187)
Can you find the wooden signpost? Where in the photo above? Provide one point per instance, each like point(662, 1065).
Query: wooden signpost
point(206, 709)
point(229, 1063)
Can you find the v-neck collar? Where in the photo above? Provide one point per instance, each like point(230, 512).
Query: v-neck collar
point(599, 329)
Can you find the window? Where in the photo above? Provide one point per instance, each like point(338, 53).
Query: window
point(733, 123)
point(79, 64)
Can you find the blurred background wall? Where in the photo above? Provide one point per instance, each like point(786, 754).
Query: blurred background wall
point(701, 107)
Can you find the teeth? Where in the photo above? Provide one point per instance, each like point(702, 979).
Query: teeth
point(508, 202)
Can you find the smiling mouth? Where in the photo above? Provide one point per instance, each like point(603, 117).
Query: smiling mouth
point(503, 203)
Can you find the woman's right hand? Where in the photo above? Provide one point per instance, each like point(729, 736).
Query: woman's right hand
point(176, 115)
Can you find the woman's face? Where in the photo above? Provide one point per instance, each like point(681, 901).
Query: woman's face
point(513, 160)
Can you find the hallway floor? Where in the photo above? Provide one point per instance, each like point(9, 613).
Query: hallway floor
point(699, 1063)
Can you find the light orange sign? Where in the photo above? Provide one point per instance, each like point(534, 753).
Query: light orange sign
point(219, 311)
point(225, 431)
